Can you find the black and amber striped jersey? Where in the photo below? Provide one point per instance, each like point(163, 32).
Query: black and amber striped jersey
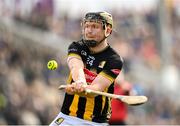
point(107, 63)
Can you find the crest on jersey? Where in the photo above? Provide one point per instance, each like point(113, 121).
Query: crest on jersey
point(59, 121)
point(101, 64)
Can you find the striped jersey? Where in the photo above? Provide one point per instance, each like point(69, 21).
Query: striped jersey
point(107, 63)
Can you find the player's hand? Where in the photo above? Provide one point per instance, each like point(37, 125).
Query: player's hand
point(79, 86)
point(70, 89)
point(76, 87)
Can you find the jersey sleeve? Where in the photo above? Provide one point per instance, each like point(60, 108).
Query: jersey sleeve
point(74, 50)
point(112, 68)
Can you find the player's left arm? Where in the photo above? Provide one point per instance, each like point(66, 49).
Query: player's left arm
point(100, 83)
point(107, 76)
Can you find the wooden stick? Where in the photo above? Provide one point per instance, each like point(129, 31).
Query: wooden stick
point(130, 100)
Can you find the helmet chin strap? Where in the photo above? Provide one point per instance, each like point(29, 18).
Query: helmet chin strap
point(93, 43)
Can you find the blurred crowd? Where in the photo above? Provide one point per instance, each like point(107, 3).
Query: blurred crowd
point(28, 90)
point(28, 93)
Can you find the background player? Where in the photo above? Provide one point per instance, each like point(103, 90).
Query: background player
point(120, 109)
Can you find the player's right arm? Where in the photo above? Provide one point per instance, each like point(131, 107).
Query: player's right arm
point(76, 67)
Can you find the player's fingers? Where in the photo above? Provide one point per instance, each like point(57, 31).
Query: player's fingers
point(82, 88)
point(79, 87)
point(70, 89)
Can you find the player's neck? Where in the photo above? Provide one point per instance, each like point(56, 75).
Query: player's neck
point(101, 47)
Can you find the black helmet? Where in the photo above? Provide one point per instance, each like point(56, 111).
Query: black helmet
point(105, 17)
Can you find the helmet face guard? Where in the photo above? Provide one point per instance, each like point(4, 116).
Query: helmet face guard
point(99, 17)
point(104, 17)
